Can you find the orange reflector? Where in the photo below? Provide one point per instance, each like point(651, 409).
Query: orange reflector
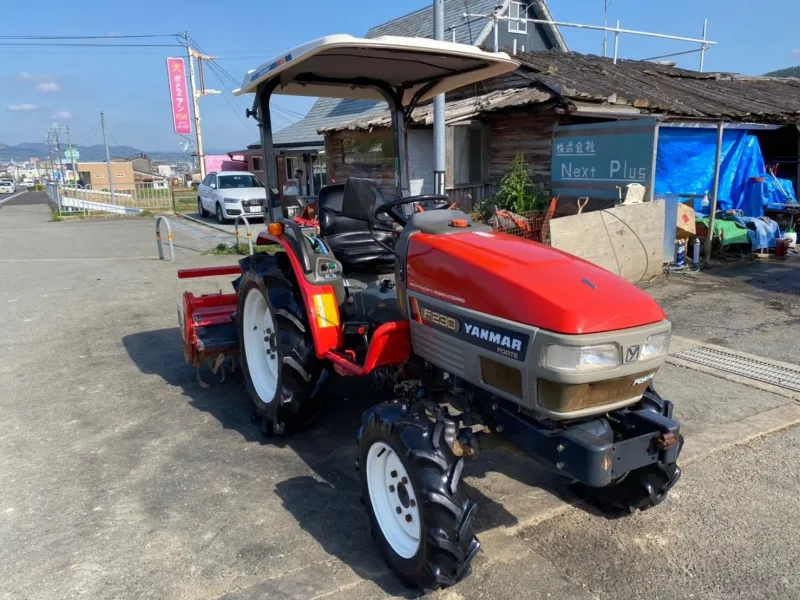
point(275, 229)
point(459, 223)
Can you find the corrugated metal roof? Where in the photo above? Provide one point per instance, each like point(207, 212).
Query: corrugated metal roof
point(661, 89)
point(454, 110)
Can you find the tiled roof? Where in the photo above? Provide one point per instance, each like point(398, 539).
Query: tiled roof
point(454, 109)
point(662, 89)
point(324, 112)
point(420, 22)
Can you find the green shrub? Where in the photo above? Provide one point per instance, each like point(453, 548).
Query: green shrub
point(517, 193)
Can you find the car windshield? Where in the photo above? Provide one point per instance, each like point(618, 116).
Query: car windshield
point(238, 181)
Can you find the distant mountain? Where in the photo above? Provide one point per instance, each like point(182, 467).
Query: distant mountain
point(97, 152)
point(788, 72)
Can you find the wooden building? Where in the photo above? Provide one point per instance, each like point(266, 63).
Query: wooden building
point(488, 124)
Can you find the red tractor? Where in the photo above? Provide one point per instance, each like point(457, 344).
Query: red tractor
point(474, 331)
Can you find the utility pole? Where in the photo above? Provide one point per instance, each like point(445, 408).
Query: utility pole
point(196, 95)
point(71, 155)
point(439, 129)
point(108, 158)
point(55, 134)
point(605, 24)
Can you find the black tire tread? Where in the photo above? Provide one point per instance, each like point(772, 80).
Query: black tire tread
point(300, 400)
point(447, 513)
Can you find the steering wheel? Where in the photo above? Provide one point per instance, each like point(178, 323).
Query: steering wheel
point(440, 201)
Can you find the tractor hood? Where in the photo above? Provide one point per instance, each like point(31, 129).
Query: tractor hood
point(525, 282)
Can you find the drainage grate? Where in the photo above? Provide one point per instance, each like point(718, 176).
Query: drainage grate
point(752, 368)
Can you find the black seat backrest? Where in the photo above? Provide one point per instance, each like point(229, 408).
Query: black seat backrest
point(350, 239)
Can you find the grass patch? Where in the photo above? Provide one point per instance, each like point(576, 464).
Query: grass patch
point(55, 216)
point(242, 249)
point(146, 213)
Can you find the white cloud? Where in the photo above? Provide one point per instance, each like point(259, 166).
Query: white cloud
point(22, 107)
point(62, 114)
point(796, 51)
point(48, 86)
point(25, 76)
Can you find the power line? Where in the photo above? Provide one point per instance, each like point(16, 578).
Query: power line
point(81, 45)
point(83, 37)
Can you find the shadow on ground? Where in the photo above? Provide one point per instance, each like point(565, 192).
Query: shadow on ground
point(780, 277)
point(330, 451)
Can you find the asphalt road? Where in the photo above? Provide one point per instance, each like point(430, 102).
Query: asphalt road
point(121, 477)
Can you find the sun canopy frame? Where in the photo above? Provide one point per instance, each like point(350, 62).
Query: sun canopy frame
point(399, 70)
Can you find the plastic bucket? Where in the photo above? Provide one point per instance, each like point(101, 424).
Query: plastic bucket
point(791, 237)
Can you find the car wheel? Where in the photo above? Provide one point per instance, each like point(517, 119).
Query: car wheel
point(220, 216)
point(200, 210)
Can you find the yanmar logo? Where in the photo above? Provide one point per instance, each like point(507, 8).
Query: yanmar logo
point(504, 341)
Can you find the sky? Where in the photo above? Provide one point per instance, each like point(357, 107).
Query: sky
point(40, 85)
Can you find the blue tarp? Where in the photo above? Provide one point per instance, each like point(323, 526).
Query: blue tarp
point(773, 192)
point(685, 165)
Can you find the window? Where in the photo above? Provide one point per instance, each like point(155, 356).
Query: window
point(468, 156)
point(292, 164)
point(518, 10)
point(212, 180)
point(227, 182)
point(375, 150)
point(256, 163)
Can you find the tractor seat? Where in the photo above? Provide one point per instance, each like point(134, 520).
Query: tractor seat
point(349, 239)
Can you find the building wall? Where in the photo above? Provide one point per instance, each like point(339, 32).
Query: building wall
point(529, 133)
point(343, 162)
point(122, 173)
point(420, 161)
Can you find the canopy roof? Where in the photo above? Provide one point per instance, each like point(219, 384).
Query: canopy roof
point(339, 65)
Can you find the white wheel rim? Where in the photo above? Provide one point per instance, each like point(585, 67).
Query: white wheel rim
point(261, 360)
point(393, 500)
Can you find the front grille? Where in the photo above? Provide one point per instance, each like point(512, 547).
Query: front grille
point(252, 202)
point(562, 397)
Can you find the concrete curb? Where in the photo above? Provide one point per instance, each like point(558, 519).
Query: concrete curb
point(204, 224)
point(679, 344)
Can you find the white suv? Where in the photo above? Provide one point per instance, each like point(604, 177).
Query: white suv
point(228, 194)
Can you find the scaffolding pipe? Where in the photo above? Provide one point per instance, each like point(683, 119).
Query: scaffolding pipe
point(596, 28)
point(713, 208)
point(703, 46)
point(616, 42)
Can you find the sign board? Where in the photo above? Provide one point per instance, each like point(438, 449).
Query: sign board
point(72, 155)
point(179, 97)
point(596, 159)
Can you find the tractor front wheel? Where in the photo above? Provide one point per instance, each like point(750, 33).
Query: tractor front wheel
point(411, 485)
point(281, 371)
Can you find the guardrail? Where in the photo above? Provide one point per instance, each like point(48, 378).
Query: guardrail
point(159, 219)
point(247, 227)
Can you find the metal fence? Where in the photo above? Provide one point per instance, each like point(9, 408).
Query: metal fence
point(533, 225)
point(125, 199)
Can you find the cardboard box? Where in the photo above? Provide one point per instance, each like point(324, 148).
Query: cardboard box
point(685, 227)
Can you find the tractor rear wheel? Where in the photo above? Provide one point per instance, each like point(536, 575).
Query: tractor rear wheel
point(281, 371)
point(411, 485)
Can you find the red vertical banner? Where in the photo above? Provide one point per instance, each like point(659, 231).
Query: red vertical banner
point(179, 96)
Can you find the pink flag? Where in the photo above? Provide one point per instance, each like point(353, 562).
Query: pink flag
point(176, 68)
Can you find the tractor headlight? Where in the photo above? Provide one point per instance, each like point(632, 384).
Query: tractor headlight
point(231, 200)
point(656, 346)
point(580, 359)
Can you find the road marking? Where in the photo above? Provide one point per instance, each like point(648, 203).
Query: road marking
point(12, 196)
